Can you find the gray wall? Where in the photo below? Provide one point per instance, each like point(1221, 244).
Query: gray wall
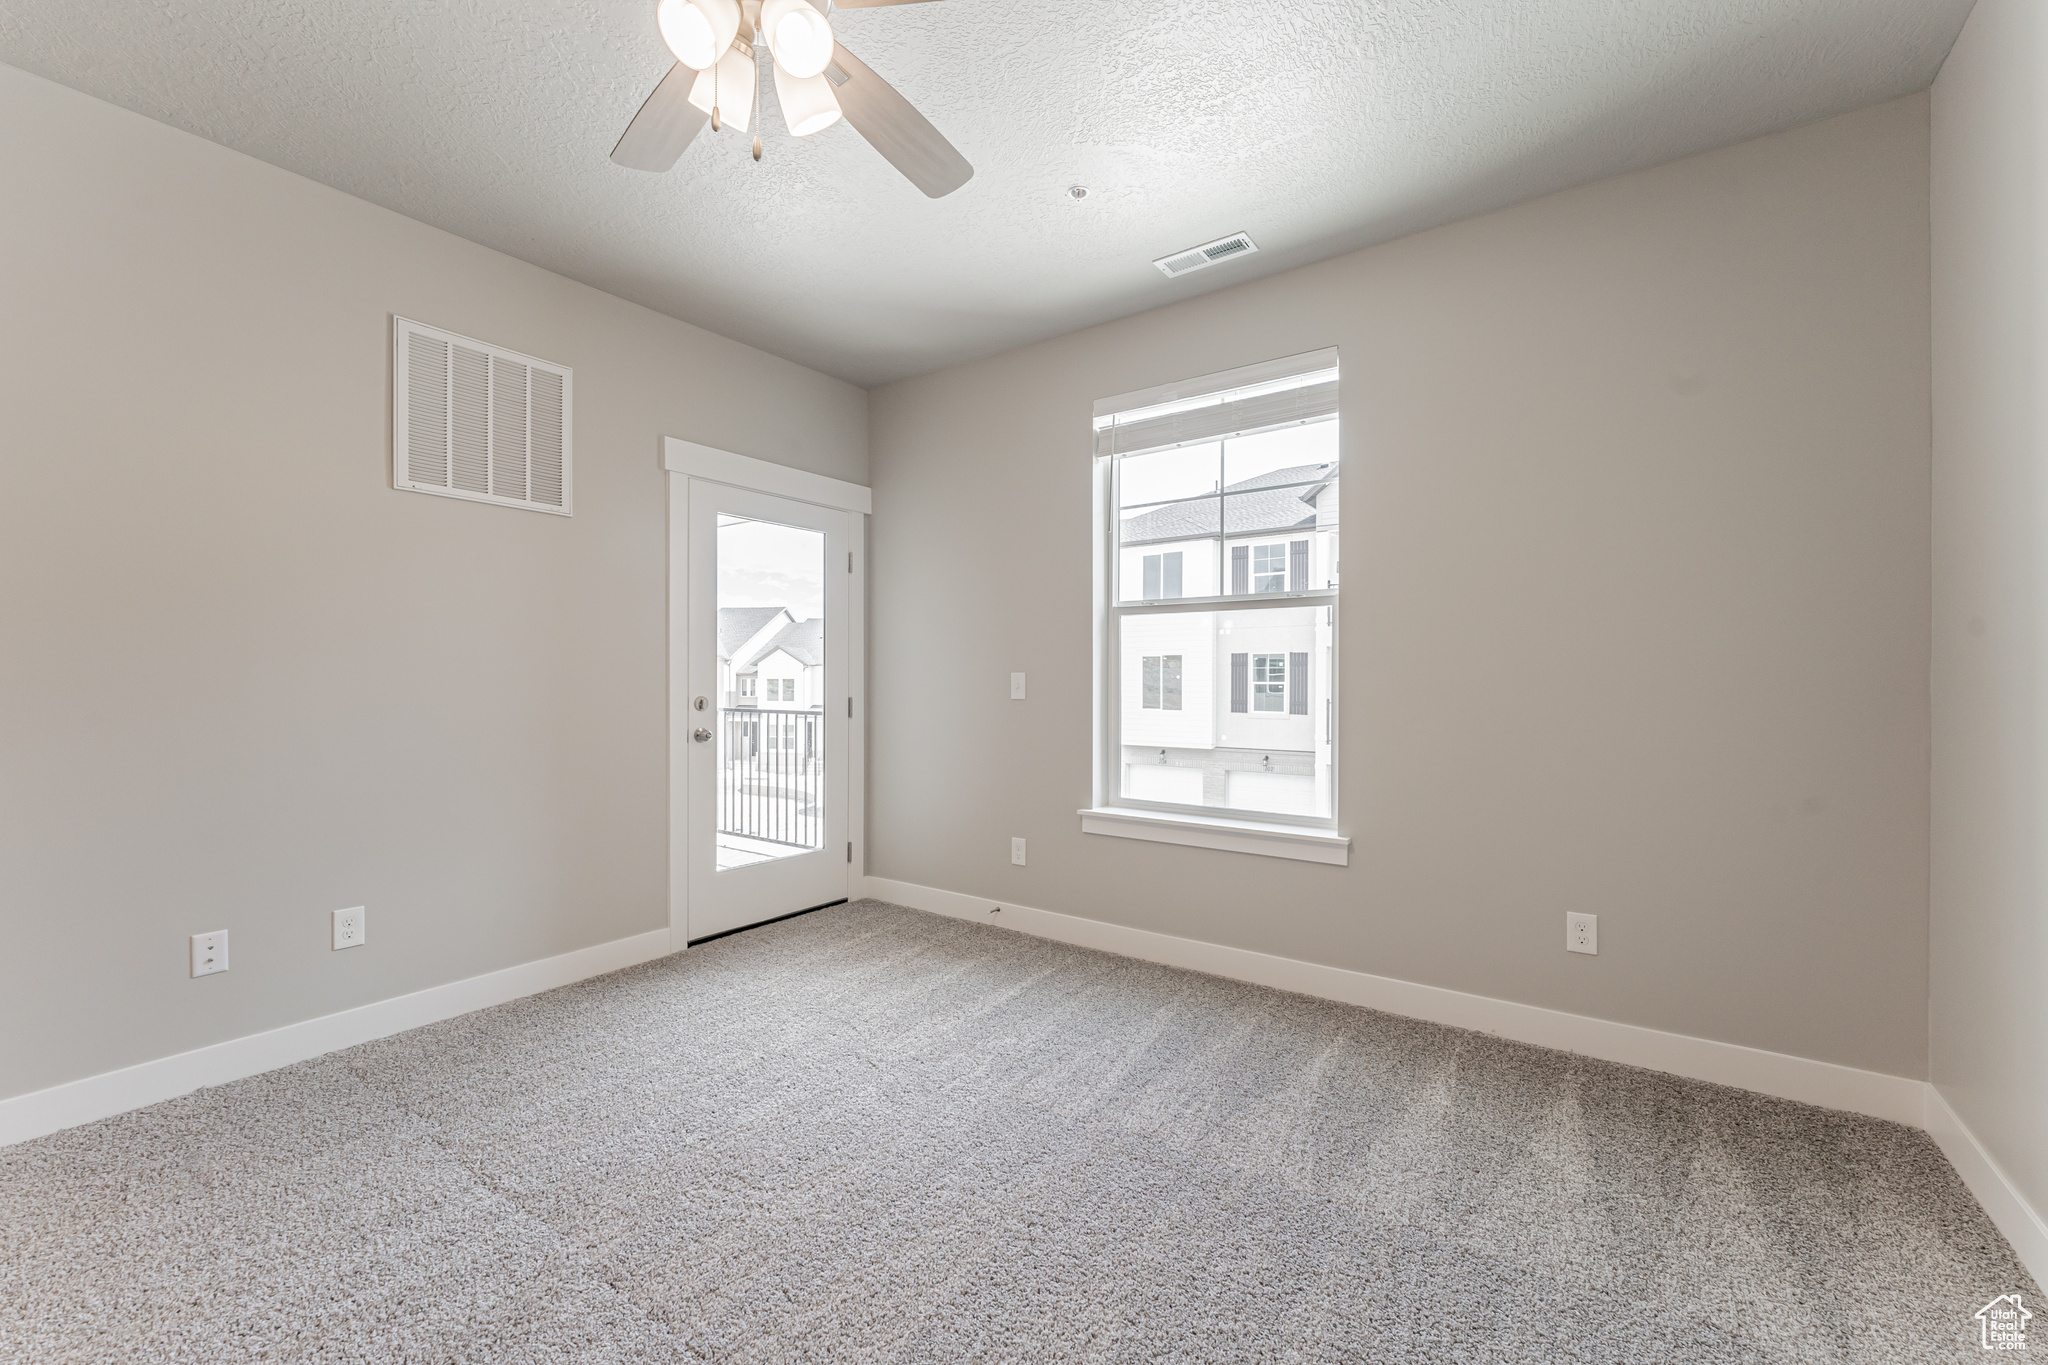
point(1636, 564)
point(1989, 996)
point(243, 682)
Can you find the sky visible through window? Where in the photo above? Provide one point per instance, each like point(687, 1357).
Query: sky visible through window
point(761, 564)
point(1192, 470)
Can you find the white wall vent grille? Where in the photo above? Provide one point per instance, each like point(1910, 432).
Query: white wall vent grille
point(1205, 255)
point(476, 421)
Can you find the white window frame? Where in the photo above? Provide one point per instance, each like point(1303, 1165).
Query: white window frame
point(1277, 547)
point(1304, 838)
point(1267, 686)
point(1157, 682)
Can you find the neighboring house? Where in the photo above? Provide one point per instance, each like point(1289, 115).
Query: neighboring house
point(767, 658)
point(1224, 708)
point(776, 664)
point(789, 667)
point(743, 632)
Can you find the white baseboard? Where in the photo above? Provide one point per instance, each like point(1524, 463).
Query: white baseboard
point(1898, 1098)
point(114, 1092)
point(2006, 1206)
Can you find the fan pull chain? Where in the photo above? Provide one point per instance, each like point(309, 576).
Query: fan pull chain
point(714, 97)
point(757, 108)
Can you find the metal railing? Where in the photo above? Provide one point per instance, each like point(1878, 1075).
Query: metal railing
point(770, 775)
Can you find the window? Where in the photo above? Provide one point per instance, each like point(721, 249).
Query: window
point(781, 690)
point(1269, 568)
point(1162, 682)
point(1217, 598)
point(746, 687)
point(1162, 575)
point(1269, 682)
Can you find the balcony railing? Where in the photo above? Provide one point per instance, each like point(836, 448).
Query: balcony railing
point(770, 775)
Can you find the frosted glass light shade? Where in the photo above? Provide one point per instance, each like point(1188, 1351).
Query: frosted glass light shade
point(697, 31)
point(734, 79)
point(798, 35)
point(687, 31)
point(808, 104)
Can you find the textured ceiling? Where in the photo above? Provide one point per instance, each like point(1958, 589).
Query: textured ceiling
point(1317, 126)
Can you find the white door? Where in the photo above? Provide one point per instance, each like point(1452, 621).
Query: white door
point(767, 766)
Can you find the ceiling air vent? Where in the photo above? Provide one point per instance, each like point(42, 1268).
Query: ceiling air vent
point(472, 420)
point(1196, 257)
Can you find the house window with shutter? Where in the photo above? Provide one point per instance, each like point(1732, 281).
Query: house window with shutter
point(1218, 595)
point(1269, 568)
point(1269, 682)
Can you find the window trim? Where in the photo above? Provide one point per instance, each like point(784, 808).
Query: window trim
point(1273, 834)
point(1302, 843)
point(1265, 687)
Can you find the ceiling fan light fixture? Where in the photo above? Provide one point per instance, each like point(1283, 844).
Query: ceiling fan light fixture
point(730, 85)
point(697, 31)
point(808, 104)
point(799, 36)
point(687, 31)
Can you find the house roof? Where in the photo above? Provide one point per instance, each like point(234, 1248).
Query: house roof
point(1256, 507)
point(803, 641)
point(737, 625)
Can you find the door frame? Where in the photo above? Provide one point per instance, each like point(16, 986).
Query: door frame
point(686, 461)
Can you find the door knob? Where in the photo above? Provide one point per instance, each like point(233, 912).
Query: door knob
point(700, 735)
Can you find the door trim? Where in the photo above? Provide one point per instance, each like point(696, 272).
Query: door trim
point(686, 460)
point(760, 476)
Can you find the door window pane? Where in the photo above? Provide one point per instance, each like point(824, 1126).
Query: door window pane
point(771, 627)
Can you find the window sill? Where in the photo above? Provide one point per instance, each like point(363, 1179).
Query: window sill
point(1235, 836)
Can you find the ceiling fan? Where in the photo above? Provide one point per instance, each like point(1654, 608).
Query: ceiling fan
point(719, 45)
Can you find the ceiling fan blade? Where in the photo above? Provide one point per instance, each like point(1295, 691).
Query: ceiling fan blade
point(892, 127)
point(664, 126)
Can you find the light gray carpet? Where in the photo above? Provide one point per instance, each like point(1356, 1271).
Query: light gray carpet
point(872, 1134)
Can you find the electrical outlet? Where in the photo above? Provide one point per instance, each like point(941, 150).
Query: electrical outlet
point(210, 953)
point(351, 928)
point(1582, 933)
point(1017, 852)
point(1016, 687)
